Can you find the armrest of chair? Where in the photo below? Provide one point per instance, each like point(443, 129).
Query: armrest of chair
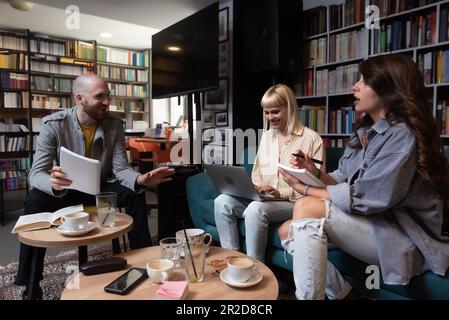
point(198, 188)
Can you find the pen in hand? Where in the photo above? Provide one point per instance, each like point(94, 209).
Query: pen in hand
point(302, 157)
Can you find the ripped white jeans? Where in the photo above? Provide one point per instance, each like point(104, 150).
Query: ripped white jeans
point(307, 242)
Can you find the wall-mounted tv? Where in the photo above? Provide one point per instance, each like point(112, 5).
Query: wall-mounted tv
point(185, 55)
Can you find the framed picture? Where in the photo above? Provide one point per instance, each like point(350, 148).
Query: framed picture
point(208, 119)
point(221, 119)
point(215, 154)
point(223, 53)
point(223, 24)
point(217, 100)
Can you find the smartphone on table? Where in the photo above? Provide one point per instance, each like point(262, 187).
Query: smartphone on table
point(127, 281)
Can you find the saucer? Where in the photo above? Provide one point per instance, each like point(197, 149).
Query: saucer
point(255, 278)
point(90, 226)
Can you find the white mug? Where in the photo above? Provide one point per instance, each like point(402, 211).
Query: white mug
point(240, 269)
point(159, 270)
point(194, 235)
point(75, 221)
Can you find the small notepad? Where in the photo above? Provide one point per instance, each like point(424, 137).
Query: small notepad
point(173, 290)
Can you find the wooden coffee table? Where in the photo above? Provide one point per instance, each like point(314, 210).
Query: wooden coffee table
point(211, 288)
point(51, 238)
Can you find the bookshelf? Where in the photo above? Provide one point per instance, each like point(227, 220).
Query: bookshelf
point(336, 41)
point(15, 135)
point(127, 74)
point(36, 76)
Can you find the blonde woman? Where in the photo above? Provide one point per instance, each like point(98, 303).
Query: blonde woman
point(284, 135)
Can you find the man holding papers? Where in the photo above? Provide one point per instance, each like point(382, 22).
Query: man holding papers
point(88, 130)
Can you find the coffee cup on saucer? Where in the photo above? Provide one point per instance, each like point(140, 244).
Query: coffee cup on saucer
point(240, 269)
point(76, 221)
point(159, 270)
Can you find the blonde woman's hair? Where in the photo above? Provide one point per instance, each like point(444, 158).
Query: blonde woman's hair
point(281, 95)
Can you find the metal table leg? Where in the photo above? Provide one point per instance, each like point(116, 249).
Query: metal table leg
point(82, 255)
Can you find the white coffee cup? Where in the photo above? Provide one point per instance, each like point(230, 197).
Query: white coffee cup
point(194, 235)
point(159, 270)
point(240, 269)
point(75, 221)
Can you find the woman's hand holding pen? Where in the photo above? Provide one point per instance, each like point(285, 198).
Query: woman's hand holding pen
point(302, 161)
point(58, 178)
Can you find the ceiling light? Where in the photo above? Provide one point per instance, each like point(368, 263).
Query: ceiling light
point(174, 49)
point(21, 4)
point(106, 35)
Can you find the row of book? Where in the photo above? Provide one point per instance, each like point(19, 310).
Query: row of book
point(341, 120)
point(15, 164)
point(14, 61)
point(402, 34)
point(13, 80)
point(338, 80)
point(442, 117)
point(126, 105)
point(313, 117)
point(12, 183)
point(434, 66)
point(10, 126)
point(389, 7)
point(346, 14)
point(11, 144)
point(335, 142)
point(128, 90)
point(315, 52)
point(51, 84)
point(67, 48)
point(72, 70)
point(13, 42)
point(117, 73)
point(40, 101)
point(315, 21)
point(15, 100)
point(111, 55)
point(348, 45)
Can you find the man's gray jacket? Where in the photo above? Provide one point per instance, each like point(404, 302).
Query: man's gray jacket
point(62, 129)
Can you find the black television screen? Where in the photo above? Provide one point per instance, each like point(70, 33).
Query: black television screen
point(194, 65)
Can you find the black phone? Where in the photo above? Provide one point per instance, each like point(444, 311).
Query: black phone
point(127, 281)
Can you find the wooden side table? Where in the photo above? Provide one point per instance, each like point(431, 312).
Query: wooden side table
point(211, 288)
point(51, 238)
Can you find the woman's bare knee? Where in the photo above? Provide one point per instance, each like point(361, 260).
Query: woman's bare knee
point(283, 230)
point(309, 207)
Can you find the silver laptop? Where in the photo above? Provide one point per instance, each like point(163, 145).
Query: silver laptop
point(236, 182)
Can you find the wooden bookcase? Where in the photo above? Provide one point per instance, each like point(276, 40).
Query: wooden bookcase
point(336, 41)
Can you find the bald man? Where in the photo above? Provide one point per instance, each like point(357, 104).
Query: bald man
point(89, 130)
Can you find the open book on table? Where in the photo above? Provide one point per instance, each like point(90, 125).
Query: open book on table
point(44, 220)
point(303, 175)
point(84, 172)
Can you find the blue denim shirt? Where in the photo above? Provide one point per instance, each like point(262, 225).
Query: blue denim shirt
point(382, 182)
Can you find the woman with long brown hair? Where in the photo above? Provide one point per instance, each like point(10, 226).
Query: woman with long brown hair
point(384, 203)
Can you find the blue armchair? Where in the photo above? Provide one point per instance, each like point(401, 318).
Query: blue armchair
point(201, 193)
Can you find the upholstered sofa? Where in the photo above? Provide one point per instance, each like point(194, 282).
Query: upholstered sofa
point(200, 197)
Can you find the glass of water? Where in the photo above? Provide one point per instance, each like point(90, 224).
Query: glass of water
point(171, 249)
point(106, 208)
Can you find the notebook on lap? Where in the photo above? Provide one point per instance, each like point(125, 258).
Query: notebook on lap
point(236, 182)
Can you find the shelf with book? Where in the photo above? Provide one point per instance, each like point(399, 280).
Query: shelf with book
point(336, 41)
point(127, 75)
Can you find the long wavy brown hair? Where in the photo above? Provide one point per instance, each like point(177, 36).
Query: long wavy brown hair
point(397, 81)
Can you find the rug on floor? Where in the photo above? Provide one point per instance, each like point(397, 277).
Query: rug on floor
point(56, 271)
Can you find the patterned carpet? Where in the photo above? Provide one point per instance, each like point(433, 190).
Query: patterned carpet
point(54, 273)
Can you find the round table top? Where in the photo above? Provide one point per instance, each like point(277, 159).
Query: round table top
point(211, 288)
point(51, 238)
